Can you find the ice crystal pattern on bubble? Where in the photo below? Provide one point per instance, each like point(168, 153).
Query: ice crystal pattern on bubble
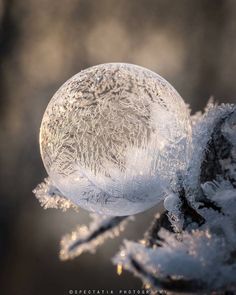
point(112, 137)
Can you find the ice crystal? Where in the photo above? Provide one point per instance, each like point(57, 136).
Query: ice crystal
point(50, 197)
point(113, 137)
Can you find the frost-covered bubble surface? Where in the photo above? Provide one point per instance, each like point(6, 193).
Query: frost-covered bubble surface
point(113, 137)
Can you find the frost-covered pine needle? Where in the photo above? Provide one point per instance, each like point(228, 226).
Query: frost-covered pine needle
point(88, 238)
point(196, 257)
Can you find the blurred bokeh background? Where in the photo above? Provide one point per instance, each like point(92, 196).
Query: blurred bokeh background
point(43, 43)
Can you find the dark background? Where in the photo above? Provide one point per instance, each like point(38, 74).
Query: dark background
point(43, 43)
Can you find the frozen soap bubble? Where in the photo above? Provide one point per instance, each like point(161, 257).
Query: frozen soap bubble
point(113, 137)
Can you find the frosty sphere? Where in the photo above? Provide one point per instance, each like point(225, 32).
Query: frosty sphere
point(113, 137)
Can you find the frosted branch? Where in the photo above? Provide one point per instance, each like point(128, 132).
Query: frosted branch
point(151, 237)
point(191, 246)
